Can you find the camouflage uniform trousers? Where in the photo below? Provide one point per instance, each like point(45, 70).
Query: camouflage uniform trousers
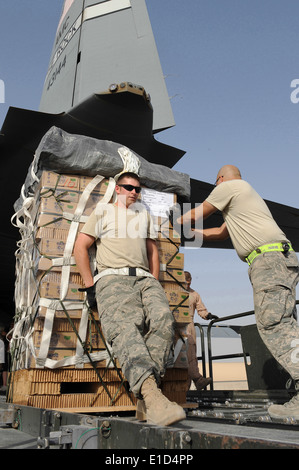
point(193, 371)
point(274, 277)
point(137, 323)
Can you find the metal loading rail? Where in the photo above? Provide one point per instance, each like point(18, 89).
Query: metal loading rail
point(209, 357)
point(49, 429)
point(219, 419)
point(242, 407)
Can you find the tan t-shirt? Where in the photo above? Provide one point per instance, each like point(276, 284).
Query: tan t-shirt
point(249, 221)
point(120, 235)
point(195, 303)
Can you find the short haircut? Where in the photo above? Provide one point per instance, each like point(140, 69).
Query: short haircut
point(128, 174)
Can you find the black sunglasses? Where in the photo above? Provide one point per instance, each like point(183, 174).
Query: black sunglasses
point(130, 187)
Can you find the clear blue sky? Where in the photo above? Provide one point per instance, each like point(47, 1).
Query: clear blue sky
point(228, 65)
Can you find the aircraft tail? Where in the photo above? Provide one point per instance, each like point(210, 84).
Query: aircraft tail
point(100, 43)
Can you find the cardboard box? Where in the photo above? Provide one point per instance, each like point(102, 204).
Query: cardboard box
point(59, 194)
point(50, 179)
point(57, 355)
point(168, 233)
point(169, 254)
point(176, 297)
point(171, 286)
point(55, 278)
point(51, 233)
point(68, 340)
point(60, 314)
point(62, 324)
point(50, 247)
point(54, 221)
point(173, 262)
point(181, 314)
point(172, 275)
point(50, 205)
point(50, 289)
point(101, 188)
point(45, 264)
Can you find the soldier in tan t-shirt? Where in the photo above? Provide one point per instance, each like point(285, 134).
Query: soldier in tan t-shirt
point(195, 303)
point(273, 268)
point(132, 306)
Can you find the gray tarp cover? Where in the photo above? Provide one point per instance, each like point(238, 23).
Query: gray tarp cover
point(61, 152)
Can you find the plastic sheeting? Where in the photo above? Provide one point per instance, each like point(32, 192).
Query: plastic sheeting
point(62, 152)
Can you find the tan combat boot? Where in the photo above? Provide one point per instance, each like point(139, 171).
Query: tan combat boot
point(288, 410)
point(155, 408)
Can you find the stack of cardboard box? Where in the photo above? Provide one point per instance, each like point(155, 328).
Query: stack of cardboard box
point(172, 278)
point(59, 347)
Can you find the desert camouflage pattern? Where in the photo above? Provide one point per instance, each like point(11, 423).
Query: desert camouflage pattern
point(138, 324)
point(274, 277)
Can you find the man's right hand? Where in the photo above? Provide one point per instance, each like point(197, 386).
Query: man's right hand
point(211, 317)
point(90, 295)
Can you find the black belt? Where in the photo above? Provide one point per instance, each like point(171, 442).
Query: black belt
point(132, 271)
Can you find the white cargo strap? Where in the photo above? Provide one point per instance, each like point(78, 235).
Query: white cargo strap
point(177, 349)
point(24, 254)
point(121, 272)
point(130, 161)
point(63, 261)
point(79, 359)
point(69, 246)
point(76, 219)
point(47, 332)
point(175, 354)
point(20, 336)
point(52, 306)
point(78, 362)
point(23, 212)
point(71, 217)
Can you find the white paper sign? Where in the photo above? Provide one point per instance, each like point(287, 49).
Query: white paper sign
point(156, 202)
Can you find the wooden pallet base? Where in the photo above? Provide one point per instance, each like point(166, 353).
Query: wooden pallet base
point(115, 409)
point(82, 389)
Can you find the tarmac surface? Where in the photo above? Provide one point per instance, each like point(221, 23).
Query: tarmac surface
point(202, 433)
point(13, 439)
